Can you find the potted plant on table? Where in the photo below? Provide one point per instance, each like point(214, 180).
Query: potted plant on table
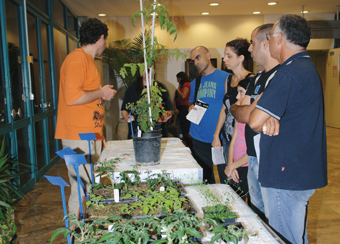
point(149, 108)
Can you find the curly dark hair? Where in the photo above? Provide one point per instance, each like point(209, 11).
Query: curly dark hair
point(244, 83)
point(184, 77)
point(240, 47)
point(91, 30)
point(295, 29)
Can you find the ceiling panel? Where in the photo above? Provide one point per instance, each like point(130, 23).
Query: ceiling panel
point(91, 8)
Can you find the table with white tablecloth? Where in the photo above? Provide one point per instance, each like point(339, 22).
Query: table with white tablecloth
point(176, 159)
point(258, 231)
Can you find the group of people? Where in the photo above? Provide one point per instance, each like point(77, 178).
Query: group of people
point(272, 122)
point(270, 125)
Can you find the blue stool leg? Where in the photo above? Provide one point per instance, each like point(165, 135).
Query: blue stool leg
point(65, 212)
point(90, 155)
point(82, 185)
point(79, 195)
point(56, 180)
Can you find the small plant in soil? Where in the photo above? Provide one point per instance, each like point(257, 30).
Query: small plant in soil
point(95, 200)
point(129, 178)
point(157, 204)
point(218, 208)
point(160, 179)
point(167, 201)
point(228, 233)
point(212, 202)
point(134, 231)
point(83, 232)
point(219, 218)
point(107, 169)
point(179, 228)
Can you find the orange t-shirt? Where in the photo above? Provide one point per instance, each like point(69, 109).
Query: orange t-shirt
point(78, 73)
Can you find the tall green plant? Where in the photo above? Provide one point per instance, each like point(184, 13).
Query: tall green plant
point(151, 15)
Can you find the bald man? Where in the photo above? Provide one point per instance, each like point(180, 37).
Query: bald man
point(211, 91)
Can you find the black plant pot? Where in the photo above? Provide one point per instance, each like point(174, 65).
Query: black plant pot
point(147, 150)
point(152, 133)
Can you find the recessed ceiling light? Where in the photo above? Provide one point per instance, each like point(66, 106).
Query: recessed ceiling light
point(214, 4)
point(305, 12)
point(101, 15)
point(256, 12)
point(272, 3)
point(205, 13)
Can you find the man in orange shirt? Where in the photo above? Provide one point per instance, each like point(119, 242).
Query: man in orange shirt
point(80, 103)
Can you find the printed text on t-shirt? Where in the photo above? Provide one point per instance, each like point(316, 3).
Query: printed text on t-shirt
point(207, 89)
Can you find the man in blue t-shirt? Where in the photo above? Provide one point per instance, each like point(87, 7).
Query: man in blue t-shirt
point(293, 160)
point(211, 91)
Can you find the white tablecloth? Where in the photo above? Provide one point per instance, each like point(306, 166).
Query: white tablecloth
point(176, 159)
point(257, 232)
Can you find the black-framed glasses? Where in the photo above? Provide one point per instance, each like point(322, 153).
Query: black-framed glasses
point(270, 33)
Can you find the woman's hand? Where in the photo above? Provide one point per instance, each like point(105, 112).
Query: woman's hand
point(235, 176)
point(229, 170)
point(217, 142)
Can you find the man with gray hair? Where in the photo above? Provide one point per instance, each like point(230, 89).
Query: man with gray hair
point(259, 49)
point(293, 160)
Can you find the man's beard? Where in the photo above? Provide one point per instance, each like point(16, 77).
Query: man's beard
point(201, 71)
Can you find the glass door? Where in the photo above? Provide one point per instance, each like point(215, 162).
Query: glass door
point(16, 102)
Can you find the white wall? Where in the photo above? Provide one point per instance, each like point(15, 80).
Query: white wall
point(315, 44)
point(332, 89)
point(210, 31)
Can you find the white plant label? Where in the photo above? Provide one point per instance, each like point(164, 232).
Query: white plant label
point(110, 228)
point(116, 195)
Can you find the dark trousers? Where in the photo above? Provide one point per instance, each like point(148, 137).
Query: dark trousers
point(202, 154)
point(242, 187)
point(184, 124)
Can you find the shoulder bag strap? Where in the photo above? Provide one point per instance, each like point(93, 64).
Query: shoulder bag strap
point(198, 82)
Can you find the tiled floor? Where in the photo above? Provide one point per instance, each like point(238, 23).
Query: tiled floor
point(40, 212)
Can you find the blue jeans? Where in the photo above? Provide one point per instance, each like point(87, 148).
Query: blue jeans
point(253, 183)
point(286, 211)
